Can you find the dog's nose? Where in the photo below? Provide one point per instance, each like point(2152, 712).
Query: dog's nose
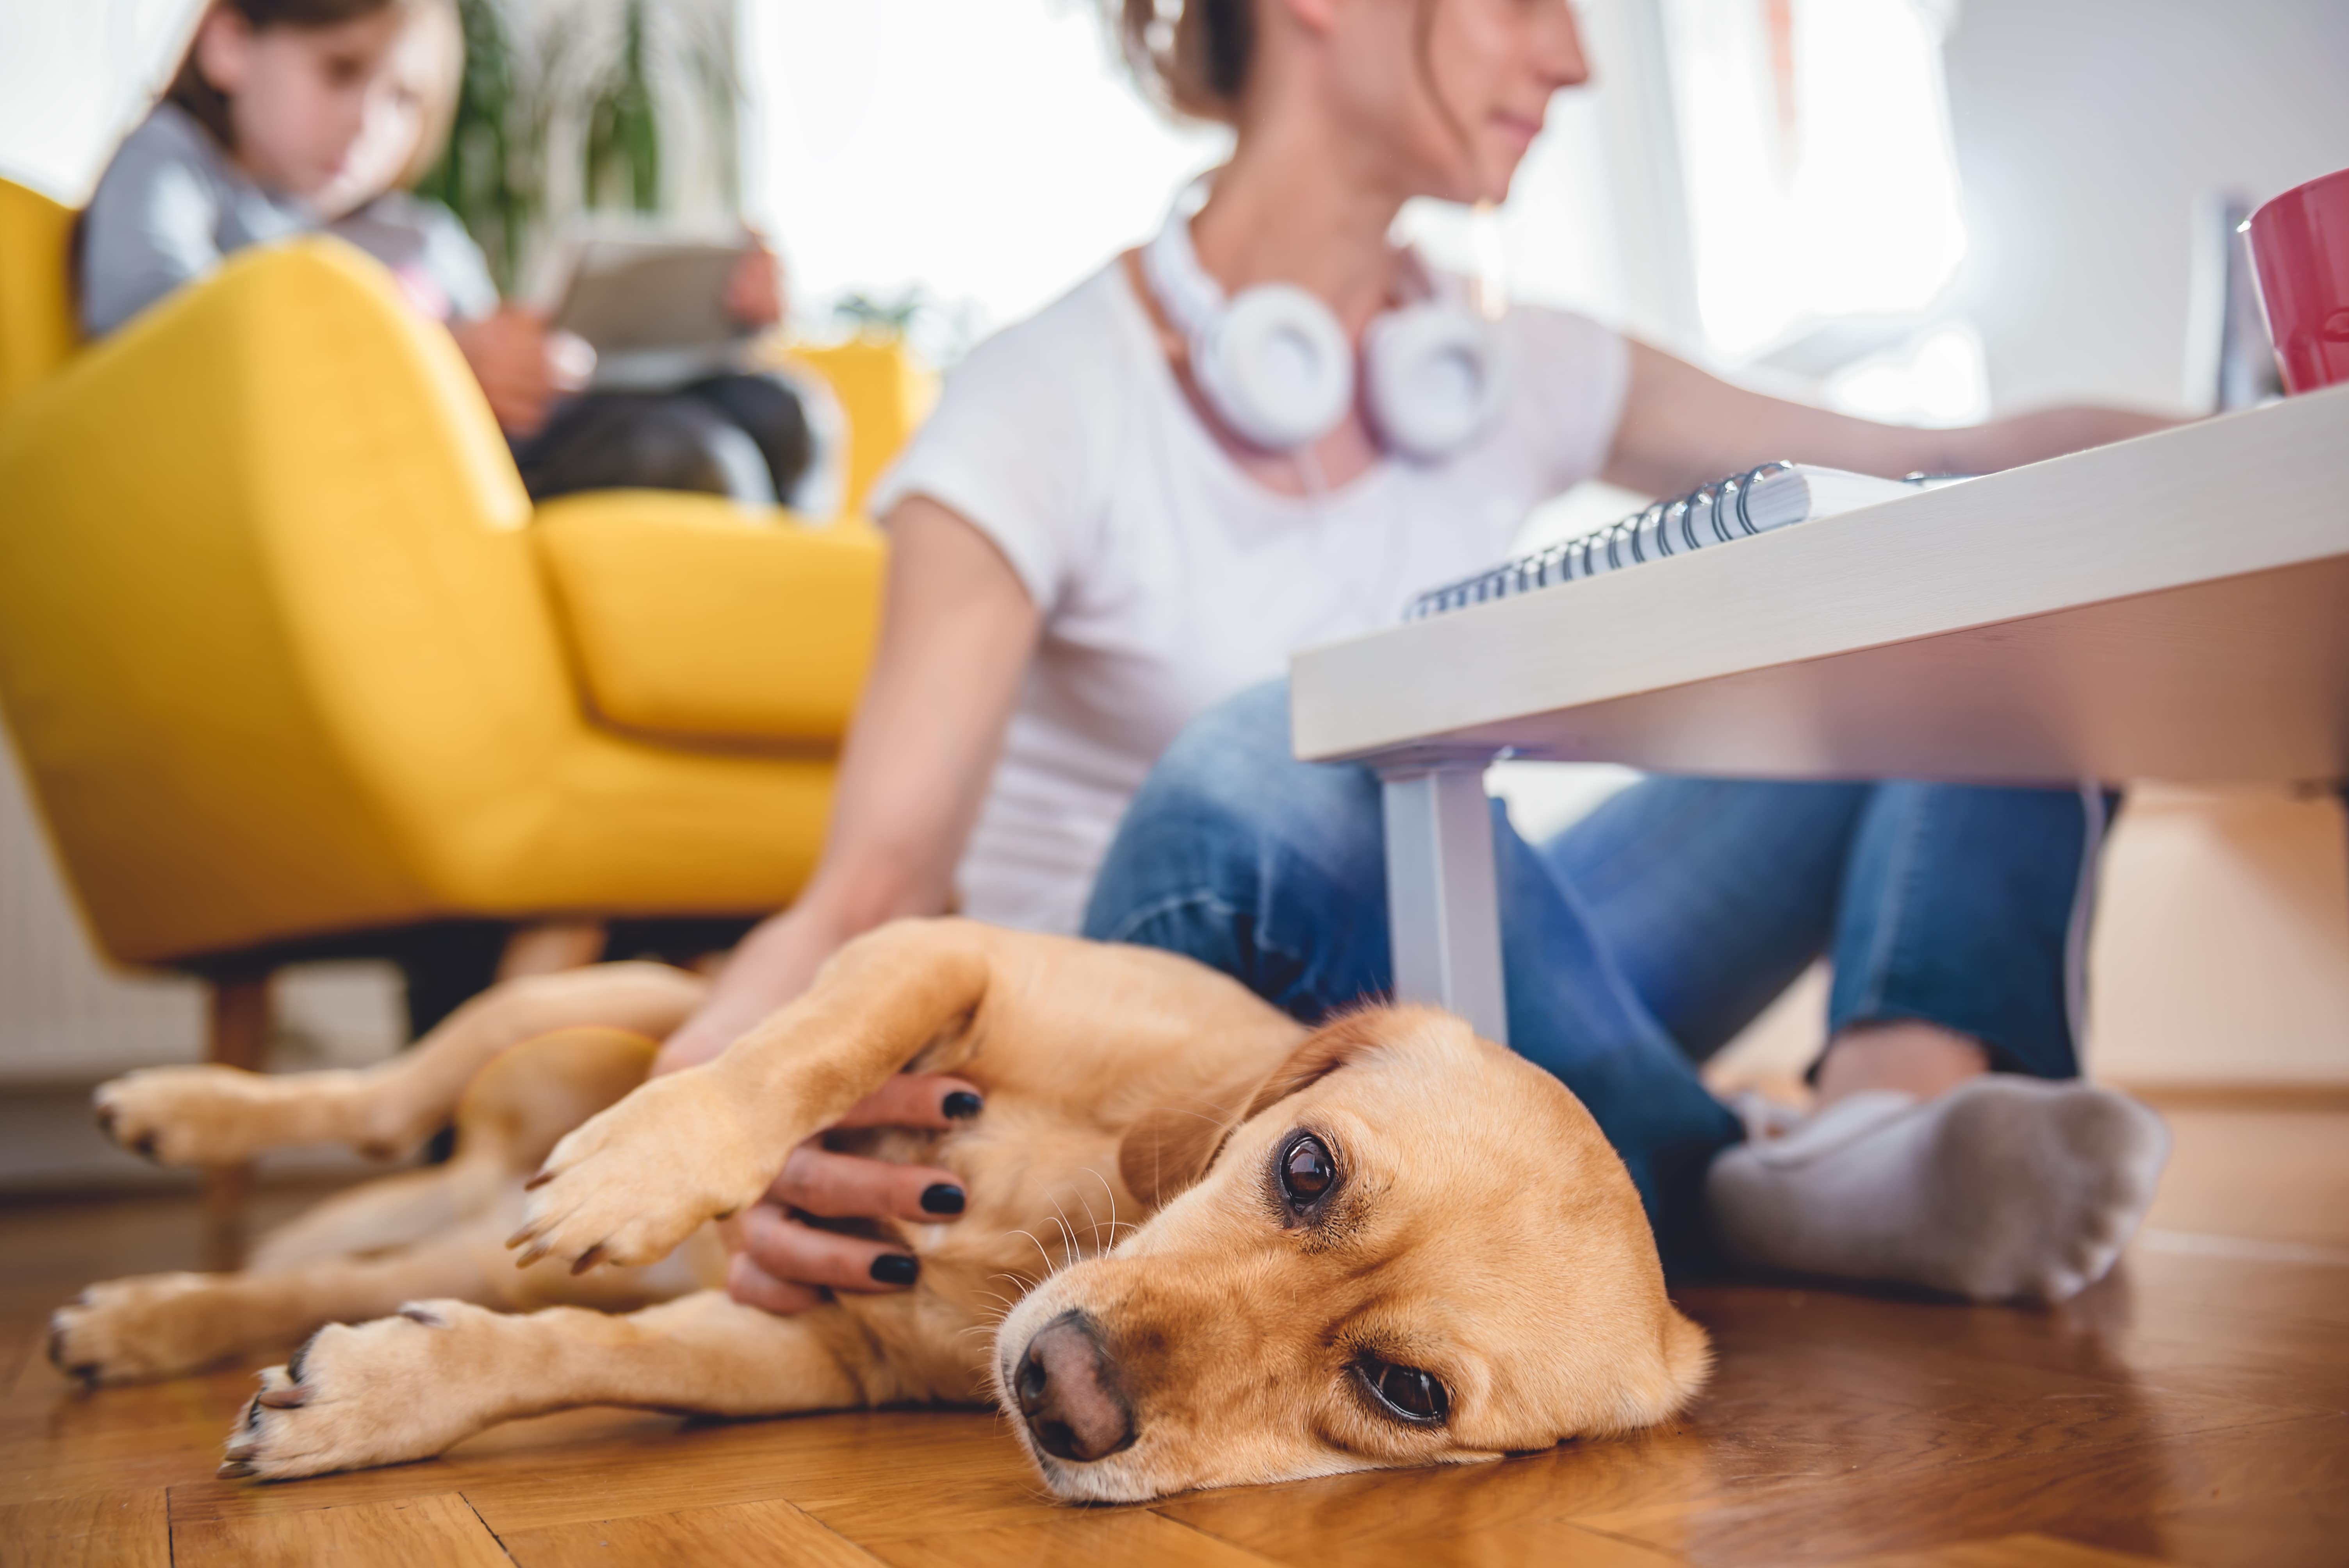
point(1069, 1391)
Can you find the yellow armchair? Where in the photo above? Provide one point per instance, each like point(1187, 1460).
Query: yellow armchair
point(288, 656)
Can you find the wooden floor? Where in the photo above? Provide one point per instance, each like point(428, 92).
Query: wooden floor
point(2189, 1409)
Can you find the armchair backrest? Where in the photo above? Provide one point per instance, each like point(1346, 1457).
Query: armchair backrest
point(38, 332)
point(269, 615)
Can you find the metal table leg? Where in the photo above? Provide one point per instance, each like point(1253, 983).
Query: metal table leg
point(1443, 915)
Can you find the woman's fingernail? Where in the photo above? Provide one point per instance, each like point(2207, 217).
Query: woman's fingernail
point(942, 1198)
point(896, 1268)
point(962, 1105)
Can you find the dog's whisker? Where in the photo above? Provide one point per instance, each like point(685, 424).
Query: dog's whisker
point(1112, 1193)
point(1042, 1253)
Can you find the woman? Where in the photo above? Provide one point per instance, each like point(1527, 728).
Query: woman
point(1089, 551)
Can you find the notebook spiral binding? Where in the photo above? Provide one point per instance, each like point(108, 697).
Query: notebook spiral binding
point(1708, 515)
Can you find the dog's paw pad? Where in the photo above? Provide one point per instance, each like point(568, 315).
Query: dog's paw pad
point(629, 1184)
point(368, 1394)
point(65, 1352)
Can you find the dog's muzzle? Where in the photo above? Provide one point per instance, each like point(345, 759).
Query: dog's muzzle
point(1070, 1394)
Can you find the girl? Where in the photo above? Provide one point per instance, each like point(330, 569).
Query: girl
point(286, 116)
point(1102, 533)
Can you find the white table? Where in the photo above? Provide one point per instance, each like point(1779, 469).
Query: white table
point(2173, 607)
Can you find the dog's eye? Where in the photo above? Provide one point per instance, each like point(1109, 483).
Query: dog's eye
point(1417, 1396)
point(1307, 1170)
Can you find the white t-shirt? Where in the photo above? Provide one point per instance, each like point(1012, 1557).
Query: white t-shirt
point(1169, 580)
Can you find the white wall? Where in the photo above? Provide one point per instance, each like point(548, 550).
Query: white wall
point(2090, 132)
point(74, 76)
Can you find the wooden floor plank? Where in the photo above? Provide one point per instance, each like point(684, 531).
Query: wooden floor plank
point(436, 1528)
point(100, 1529)
point(2011, 1552)
point(1473, 1544)
point(2130, 1499)
point(741, 1532)
point(1351, 1517)
point(1131, 1538)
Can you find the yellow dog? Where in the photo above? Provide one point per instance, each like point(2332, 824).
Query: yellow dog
point(1243, 1252)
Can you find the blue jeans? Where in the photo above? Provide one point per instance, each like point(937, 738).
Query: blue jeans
point(1638, 941)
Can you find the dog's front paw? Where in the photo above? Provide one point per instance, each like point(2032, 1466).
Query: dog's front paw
point(187, 1115)
point(155, 1325)
point(630, 1183)
point(381, 1393)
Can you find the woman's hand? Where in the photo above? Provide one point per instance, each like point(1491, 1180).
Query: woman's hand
point(755, 294)
point(957, 629)
point(784, 1266)
point(523, 365)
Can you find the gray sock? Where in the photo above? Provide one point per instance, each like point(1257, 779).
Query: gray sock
point(2005, 1188)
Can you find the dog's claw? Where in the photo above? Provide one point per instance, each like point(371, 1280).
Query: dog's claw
point(290, 1398)
point(519, 1237)
point(536, 1182)
point(235, 1469)
point(588, 1260)
point(531, 1254)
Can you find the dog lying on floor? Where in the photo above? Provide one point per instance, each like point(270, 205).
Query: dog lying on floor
point(1383, 1243)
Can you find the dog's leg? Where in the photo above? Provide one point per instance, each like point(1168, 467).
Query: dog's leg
point(160, 1325)
point(510, 1116)
point(696, 1145)
point(410, 1386)
point(376, 1216)
point(224, 1115)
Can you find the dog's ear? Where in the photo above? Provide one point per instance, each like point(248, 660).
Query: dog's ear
point(1170, 1147)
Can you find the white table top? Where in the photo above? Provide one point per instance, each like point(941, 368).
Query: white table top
point(2172, 607)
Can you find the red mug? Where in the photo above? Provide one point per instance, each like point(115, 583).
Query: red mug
point(2299, 248)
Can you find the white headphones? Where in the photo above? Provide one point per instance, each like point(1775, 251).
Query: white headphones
point(1276, 367)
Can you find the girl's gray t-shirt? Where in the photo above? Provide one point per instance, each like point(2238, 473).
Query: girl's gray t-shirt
point(171, 204)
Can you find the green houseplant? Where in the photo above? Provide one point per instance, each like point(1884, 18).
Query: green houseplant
point(588, 105)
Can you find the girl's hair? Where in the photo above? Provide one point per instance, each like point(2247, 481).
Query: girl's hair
point(1194, 62)
point(208, 106)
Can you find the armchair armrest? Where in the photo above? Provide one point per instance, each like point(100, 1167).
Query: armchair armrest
point(693, 621)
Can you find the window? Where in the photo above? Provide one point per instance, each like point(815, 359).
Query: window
point(987, 156)
point(1823, 198)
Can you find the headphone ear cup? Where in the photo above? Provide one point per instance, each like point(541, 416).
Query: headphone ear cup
point(1276, 368)
point(1435, 371)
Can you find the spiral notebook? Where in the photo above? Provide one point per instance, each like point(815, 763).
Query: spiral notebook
point(1760, 500)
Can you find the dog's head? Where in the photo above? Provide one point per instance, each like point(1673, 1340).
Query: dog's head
point(1412, 1247)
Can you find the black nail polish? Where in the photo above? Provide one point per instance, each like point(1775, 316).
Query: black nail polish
point(962, 1105)
point(896, 1268)
point(942, 1198)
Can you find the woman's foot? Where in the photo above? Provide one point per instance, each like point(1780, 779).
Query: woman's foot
point(1906, 1054)
point(2005, 1188)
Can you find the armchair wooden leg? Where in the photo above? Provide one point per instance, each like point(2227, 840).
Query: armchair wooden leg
point(237, 1035)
